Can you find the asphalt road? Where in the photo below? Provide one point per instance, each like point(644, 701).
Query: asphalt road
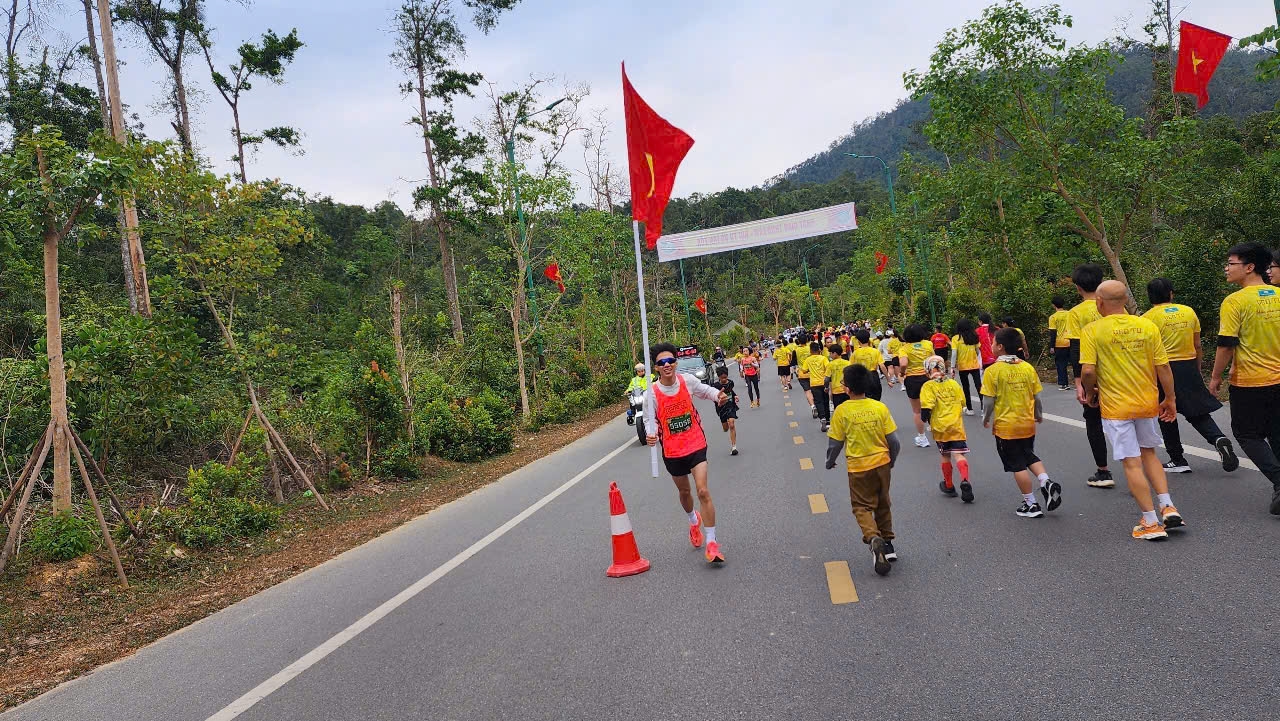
point(497, 606)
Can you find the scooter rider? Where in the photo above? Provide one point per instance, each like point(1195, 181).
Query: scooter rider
point(638, 382)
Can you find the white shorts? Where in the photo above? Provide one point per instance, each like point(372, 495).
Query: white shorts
point(1128, 438)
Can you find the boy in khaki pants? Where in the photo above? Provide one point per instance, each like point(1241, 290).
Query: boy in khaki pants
point(865, 431)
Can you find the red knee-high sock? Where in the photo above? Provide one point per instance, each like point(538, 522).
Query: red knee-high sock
point(946, 473)
point(963, 465)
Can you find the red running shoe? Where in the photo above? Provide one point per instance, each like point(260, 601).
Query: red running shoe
point(713, 553)
point(695, 531)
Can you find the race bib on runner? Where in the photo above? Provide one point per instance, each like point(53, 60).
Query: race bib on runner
point(680, 424)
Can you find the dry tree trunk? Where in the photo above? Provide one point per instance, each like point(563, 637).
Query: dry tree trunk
point(57, 375)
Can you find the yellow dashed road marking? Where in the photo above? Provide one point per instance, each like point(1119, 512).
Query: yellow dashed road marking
point(794, 424)
point(798, 440)
point(787, 405)
point(840, 583)
point(791, 413)
point(818, 503)
point(806, 464)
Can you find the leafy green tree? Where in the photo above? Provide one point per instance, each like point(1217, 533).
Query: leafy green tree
point(266, 60)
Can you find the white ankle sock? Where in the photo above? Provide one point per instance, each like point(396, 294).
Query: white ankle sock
point(693, 517)
point(711, 533)
point(1030, 498)
point(1150, 517)
point(1163, 499)
point(1043, 478)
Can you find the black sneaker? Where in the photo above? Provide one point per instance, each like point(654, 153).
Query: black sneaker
point(950, 492)
point(1177, 465)
point(882, 564)
point(1275, 501)
point(889, 553)
point(1227, 453)
point(814, 411)
point(966, 492)
point(1101, 479)
point(1052, 492)
point(1030, 510)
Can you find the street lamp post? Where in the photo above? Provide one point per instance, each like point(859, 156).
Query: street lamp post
point(924, 259)
point(804, 261)
point(893, 205)
point(684, 290)
point(524, 241)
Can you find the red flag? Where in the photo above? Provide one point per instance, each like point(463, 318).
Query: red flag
point(701, 305)
point(1199, 52)
point(655, 149)
point(817, 297)
point(552, 271)
point(882, 262)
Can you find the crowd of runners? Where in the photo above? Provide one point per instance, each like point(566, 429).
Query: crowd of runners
point(1132, 376)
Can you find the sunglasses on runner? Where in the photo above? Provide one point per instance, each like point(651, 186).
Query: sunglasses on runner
point(664, 362)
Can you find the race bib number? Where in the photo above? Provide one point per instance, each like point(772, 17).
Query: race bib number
point(680, 424)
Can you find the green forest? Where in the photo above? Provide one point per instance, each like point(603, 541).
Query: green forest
point(208, 350)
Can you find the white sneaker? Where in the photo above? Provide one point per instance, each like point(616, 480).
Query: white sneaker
point(922, 441)
point(968, 412)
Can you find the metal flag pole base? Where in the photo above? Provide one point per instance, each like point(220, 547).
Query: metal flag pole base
point(644, 333)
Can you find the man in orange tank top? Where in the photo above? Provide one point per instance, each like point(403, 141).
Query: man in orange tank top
point(672, 419)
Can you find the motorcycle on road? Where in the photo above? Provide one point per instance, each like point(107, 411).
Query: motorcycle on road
point(636, 415)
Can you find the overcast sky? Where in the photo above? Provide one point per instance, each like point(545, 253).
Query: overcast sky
point(760, 84)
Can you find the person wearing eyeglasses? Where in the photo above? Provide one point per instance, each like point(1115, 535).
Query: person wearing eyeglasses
point(1249, 341)
point(1273, 270)
point(672, 419)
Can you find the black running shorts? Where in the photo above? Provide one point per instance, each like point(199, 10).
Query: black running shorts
point(914, 384)
point(684, 465)
point(1017, 454)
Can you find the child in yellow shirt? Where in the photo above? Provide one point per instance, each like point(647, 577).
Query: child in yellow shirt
point(942, 407)
point(864, 431)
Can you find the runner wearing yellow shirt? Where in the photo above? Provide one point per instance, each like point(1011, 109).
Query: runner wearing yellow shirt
point(1059, 341)
point(1122, 357)
point(1012, 413)
point(836, 363)
point(816, 367)
point(870, 358)
point(966, 361)
point(864, 431)
point(1249, 340)
point(1087, 277)
point(915, 349)
point(940, 407)
point(1180, 332)
point(783, 356)
point(798, 358)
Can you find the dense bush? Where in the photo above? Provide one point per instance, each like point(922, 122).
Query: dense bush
point(62, 537)
point(467, 428)
point(223, 503)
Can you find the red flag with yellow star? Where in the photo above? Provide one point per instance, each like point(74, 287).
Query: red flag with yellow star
point(701, 305)
point(655, 149)
point(1199, 52)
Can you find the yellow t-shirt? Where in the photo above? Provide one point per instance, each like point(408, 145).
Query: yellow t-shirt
point(911, 357)
point(835, 372)
point(968, 357)
point(946, 399)
point(1253, 315)
point(868, 357)
point(1079, 317)
point(894, 345)
point(1179, 328)
point(1058, 322)
point(1014, 387)
point(802, 354)
point(1125, 350)
point(863, 425)
point(816, 367)
point(783, 356)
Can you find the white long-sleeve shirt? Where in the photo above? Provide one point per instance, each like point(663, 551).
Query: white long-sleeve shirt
point(697, 389)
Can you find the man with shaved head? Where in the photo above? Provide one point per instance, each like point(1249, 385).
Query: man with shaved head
point(1122, 358)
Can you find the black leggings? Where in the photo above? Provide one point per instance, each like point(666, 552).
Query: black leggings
point(753, 387)
point(1097, 439)
point(976, 377)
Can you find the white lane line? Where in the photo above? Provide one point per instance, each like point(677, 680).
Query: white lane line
point(271, 685)
point(1189, 450)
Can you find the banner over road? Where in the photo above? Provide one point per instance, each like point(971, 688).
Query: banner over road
point(823, 221)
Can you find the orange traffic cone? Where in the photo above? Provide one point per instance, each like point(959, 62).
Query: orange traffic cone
point(626, 555)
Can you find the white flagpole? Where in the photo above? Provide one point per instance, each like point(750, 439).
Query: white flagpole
point(644, 336)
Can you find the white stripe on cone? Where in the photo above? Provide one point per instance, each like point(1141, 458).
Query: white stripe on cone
point(620, 525)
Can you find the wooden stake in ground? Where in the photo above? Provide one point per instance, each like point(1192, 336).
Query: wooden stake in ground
point(97, 512)
point(15, 527)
